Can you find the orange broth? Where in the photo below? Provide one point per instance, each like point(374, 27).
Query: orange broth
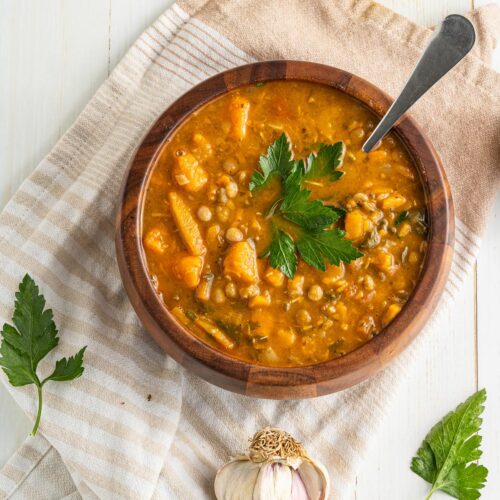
point(204, 230)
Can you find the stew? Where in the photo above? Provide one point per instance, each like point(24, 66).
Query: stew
point(206, 234)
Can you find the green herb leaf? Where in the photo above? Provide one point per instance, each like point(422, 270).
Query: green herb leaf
point(16, 365)
point(447, 455)
point(36, 333)
point(312, 216)
point(326, 162)
point(277, 161)
point(282, 253)
point(190, 314)
point(309, 214)
point(33, 336)
point(292, 181)
point(231, 329)
point(402, 216)
point(68, 368)
point(314, 248)
point(419, 219)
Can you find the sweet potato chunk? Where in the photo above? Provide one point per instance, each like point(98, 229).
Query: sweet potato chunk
point(155, 240)
point(274, 277)
point(384, 261)
point(186, 224)
point(356, 225)
point(241, 262)
point(395, 200)
point(263, 300)
point(333, 274)
point(203, 146)
point(188, 269)
point(188, 173)
point(378, 155)
point(295, 286)
point(391, 312)
point(286, 337)
point(264, 320)
point(238, 113)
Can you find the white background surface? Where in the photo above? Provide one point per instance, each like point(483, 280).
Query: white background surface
point(54, 54)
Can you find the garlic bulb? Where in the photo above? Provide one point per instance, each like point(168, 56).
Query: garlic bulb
point(276, 467)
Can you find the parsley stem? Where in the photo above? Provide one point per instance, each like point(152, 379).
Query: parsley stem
point(39, 413)
point(431, 492)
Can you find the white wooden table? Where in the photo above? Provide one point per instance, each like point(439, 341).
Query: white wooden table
point(54, 55)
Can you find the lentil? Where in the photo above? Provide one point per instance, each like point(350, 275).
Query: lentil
point(204, 213)
point(205, 254)
point(233, 234)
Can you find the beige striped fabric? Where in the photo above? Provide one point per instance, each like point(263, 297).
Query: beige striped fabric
point(137, 425)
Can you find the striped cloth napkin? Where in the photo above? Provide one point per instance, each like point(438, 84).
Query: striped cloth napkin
point(137, 425)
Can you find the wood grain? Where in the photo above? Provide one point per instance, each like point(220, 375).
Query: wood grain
point(50, 68)
point(53, 55)
point(448, 372)
point(453, 370)
point(49, 82)
point(272, 382)
point(487, 286)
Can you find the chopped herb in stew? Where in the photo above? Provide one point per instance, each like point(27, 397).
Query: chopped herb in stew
point(272, 236)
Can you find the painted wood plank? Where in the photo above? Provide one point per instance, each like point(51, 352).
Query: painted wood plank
point(428, 12)
point(488, 330)
point(53, 57)
point(128, 20)
point(414, 411)
point(440, 380)
point(443, 378)
point(488, 286)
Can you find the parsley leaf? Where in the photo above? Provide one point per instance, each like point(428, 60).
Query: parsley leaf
point(402, 216)
point(341, 212)
point(68, 368)
point(312, 216)
point(32, 337)
point(309, 214)
point(326, 161)
point(314, 248)
point(277, 161)
point(282, 253)
point(448, 452)
point(231, 329)
point(294, 177)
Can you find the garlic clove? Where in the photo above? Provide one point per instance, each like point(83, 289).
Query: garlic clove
point(236, 480)
point(299, 491)
point(274, 482)
point(315, 479)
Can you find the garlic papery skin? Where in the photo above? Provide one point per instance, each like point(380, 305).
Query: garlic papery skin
point(236, 480)
point(276, 467)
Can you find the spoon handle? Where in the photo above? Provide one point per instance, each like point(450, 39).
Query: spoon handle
point(450, 43)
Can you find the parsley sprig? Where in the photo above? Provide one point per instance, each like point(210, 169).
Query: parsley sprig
point(317, 241)
point(447, 457)
point(277, 161)
point(32, 337)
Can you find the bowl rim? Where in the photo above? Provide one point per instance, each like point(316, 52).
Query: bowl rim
point(282, 382)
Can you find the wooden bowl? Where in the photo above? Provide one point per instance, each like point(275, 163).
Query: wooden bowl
point(276, 382)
